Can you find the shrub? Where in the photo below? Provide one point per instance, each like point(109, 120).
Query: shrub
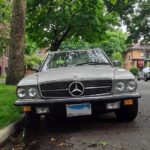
point(31, 61)
point(134, 71)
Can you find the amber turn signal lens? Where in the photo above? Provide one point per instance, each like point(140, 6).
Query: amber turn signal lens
point(128, 102)
point(26, 108)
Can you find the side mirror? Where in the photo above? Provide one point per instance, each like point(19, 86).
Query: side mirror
point(117, 63)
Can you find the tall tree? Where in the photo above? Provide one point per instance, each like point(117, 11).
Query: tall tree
point(16, 49)
point(123, 8)
point(139, 22)
point(50, 22)
point(136, 15)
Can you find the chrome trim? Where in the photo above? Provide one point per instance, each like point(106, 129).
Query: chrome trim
point(99, 87)
point(76, 88)
point(86, 88)
point(56, 90)
point(78, 96)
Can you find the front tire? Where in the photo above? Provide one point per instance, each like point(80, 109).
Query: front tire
point(145, 78)
point(127, 113)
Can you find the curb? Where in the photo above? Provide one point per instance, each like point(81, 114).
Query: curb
point(9, 130)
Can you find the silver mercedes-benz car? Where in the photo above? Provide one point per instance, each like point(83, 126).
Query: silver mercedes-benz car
point(78, 83)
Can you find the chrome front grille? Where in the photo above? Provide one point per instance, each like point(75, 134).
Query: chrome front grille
point(61, 89)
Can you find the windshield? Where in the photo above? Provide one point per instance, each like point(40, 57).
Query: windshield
point(75, 58)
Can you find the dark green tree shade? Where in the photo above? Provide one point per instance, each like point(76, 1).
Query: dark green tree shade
point(139, 25)
point(136, 15)
point(51, 22)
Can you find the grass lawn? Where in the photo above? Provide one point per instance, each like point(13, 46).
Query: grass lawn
point(8, 112)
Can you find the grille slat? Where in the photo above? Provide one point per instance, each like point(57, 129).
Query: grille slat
point(60, 89)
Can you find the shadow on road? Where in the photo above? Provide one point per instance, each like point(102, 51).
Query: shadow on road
point(53, 134)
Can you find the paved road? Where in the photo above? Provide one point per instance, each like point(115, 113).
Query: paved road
point(90, 133)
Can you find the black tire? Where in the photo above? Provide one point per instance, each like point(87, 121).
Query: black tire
point(31, 119)
point(127, 113)
point(138, 79)
point(145, 78)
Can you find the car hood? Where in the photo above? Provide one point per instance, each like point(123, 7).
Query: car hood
point(76, 73)
point(69, 73)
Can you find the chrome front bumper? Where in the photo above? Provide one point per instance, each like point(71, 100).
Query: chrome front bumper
point(111, 98)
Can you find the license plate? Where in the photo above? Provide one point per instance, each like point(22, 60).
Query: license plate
point(78, 109)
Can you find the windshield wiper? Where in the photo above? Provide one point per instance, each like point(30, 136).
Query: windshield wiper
point(92, 63)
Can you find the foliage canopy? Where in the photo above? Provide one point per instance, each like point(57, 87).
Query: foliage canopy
point(139, 24)
point(114, 41)
point(57, 20)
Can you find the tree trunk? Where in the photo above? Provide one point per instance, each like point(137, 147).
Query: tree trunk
point(16, 48)
point(56, 44)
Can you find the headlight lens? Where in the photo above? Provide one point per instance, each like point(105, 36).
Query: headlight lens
point(21, 92)
point(120, 87)
point(131, 86)
point(32, 92)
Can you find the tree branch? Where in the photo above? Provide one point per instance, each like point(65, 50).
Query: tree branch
point(56, 44)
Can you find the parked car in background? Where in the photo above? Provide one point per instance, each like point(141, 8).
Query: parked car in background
point(144, 74)
point(78, 83)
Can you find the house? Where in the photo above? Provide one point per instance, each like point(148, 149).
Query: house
point(137, 55)
point(4, 63)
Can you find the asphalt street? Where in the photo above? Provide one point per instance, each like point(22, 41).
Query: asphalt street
point(88, 133)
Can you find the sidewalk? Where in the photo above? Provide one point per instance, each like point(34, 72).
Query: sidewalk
point(9, 130)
